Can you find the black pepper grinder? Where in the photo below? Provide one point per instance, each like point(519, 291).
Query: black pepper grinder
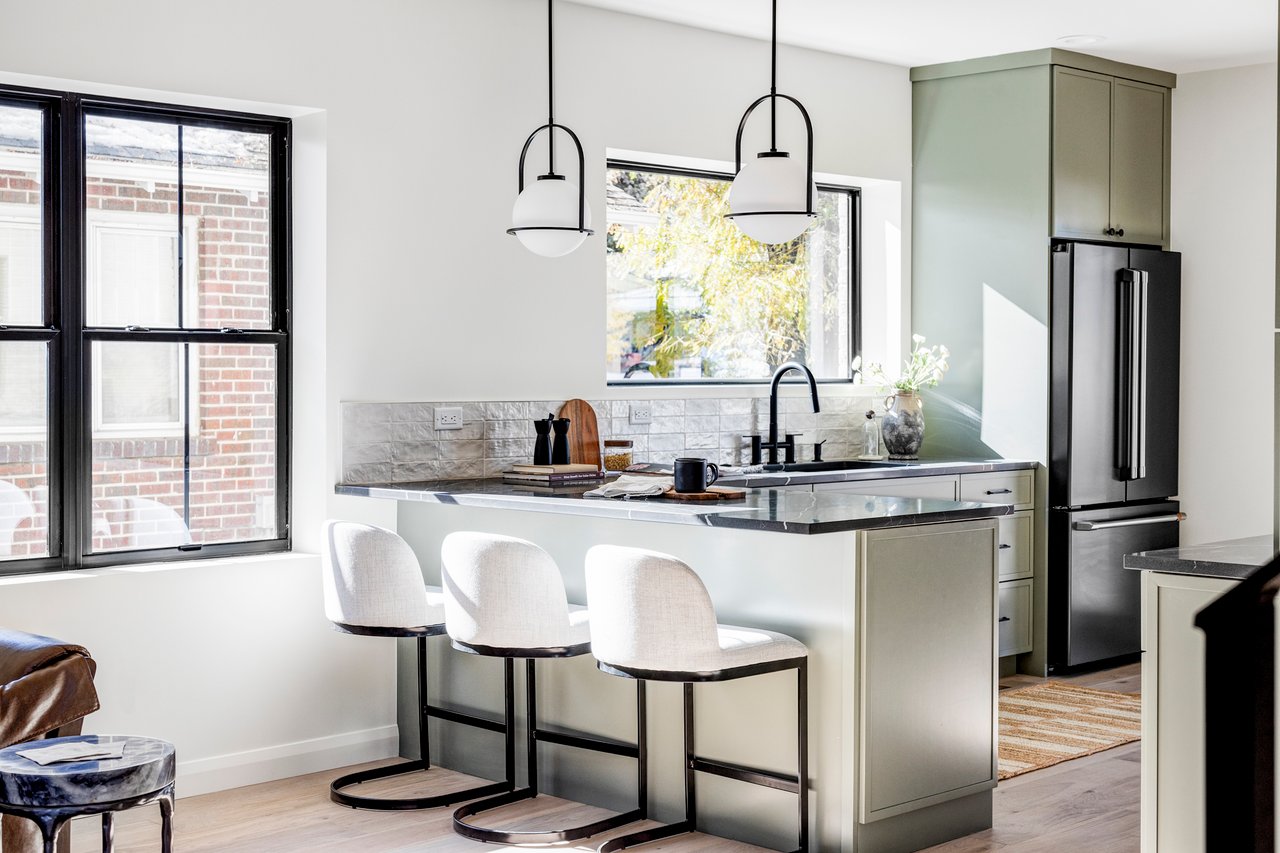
point(560, 453)
point(542, 441)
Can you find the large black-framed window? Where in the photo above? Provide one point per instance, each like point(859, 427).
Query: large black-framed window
point(145, 269)
point(691, 300)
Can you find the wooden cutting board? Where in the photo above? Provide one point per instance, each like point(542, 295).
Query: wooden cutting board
point(713, 493)
point(584, 435)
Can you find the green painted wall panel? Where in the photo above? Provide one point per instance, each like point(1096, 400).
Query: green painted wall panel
point(980, 261)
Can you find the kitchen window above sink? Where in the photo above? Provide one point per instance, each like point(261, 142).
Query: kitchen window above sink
point(693, 300)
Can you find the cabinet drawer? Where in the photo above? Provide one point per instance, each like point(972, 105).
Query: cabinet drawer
point(1000, 487)
point(897, 487)
point(1015, 545)
point(1015, 617)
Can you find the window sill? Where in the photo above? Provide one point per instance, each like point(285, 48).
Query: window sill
point(212, 564)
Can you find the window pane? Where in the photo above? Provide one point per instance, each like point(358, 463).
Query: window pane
point(692, 297)
point(148, 493)
point(24, 433)
point(131, 222)
point(138, 386)
point(226, 194)
point(21, 288)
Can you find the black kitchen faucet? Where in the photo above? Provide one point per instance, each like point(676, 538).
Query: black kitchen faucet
point(789, 443)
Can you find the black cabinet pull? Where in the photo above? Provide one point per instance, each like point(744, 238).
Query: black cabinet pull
point(999, 491)
point(1119, 232)
point(1004, 547)
point(1004, 619)
point(1110, 232)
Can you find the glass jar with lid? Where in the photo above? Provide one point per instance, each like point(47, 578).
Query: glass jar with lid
point(617, 454)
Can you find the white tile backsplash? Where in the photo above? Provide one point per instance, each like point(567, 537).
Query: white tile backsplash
point(398, 442)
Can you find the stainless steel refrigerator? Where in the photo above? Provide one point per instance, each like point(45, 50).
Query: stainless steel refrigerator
point(1113, 463)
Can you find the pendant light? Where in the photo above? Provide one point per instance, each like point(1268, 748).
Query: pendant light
point(551, 216)
point(771, 199)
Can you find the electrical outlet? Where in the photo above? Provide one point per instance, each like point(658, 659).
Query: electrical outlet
point(641, 413)
point(448, 417)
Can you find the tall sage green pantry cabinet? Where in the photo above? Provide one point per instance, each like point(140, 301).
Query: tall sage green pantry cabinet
point(1010, 153)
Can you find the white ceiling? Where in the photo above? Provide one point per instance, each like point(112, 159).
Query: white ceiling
point(1172, 35)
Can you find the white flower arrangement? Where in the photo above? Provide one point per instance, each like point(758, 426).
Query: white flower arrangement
point(924, 368)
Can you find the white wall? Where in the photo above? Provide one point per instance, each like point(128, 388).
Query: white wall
point(1223, 221)
point(410, 118)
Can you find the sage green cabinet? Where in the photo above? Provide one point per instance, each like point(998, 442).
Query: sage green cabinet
point(1110, 158)
point(926, 699)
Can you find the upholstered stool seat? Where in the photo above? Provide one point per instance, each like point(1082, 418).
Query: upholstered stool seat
point(374, 587)
point(653, 619)
point(504, 597)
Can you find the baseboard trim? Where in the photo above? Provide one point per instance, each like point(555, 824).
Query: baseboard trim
point(267, 764)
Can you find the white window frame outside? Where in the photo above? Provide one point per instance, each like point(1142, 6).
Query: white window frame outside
point(21, 216)
point(122, 221)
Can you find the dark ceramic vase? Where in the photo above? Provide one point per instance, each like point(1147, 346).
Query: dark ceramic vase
point(903, 425)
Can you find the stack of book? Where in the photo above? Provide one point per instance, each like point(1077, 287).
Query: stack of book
point(552, 475)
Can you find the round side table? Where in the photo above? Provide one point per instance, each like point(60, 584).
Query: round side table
point(55, 793)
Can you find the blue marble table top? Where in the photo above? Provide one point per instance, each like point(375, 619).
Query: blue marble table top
point(146, 767)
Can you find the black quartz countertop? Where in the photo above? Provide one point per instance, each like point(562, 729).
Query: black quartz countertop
point(922, 468)
point(801, 511)
point(1234, 558)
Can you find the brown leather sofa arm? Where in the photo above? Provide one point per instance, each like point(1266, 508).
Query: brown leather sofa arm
point(45, 685)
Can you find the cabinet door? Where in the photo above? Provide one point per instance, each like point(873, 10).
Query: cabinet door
point(927, 678)
point(897, 487)
point(1015, 617)
point(1081, 154)
point(1139, 125)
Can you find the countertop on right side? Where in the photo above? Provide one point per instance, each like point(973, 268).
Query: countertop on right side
point(1235, 559)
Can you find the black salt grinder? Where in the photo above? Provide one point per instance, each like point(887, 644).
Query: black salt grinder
point(560, 453)
point(542, 441)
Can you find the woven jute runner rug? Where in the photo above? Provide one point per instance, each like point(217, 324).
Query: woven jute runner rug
point(1046, 724)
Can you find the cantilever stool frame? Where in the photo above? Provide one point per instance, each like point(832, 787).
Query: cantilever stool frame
point(694, 763)
point(374, 588)
point(505, 597)
point(535, 735)
point(425, 712)
point(658, 623)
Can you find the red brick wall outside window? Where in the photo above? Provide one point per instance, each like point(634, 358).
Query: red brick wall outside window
point(233, 394)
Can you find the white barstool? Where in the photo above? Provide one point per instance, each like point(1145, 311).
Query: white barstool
point(504, 597)
point(373, 587)
point(653, 619)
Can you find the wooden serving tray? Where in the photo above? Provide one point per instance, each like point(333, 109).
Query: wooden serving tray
point(713, 493)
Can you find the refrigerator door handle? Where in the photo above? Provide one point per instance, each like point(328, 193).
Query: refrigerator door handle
point(1130, 454)
point(1140, 392)
point(1129, 522)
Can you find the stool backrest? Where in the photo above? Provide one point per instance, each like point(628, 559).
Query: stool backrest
point(502, 592)
point(371, 578)
point(648, 610)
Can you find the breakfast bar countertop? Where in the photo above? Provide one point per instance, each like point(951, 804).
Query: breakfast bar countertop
point(776, 510)
point(1235, 558)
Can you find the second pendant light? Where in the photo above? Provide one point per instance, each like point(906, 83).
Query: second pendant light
point(772, 197)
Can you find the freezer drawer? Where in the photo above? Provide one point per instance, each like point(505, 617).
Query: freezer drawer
point(1095, 601)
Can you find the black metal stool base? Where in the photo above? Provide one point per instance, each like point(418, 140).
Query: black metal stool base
point(499, 836)
point(405, 803)
point(425, 711)
point(644, 836)
point(535, 735)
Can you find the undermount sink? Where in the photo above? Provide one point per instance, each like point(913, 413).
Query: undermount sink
point(833, 465)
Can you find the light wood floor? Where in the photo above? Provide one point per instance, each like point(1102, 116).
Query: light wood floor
point(1089, 804)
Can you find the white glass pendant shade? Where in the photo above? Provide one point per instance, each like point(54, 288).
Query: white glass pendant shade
point(775, 184)
point(550, 203)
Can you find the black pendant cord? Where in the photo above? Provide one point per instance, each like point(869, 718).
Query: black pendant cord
point(551, 91)
point(773, 84)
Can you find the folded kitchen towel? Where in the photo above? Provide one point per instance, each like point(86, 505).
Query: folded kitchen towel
point(632, 487)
